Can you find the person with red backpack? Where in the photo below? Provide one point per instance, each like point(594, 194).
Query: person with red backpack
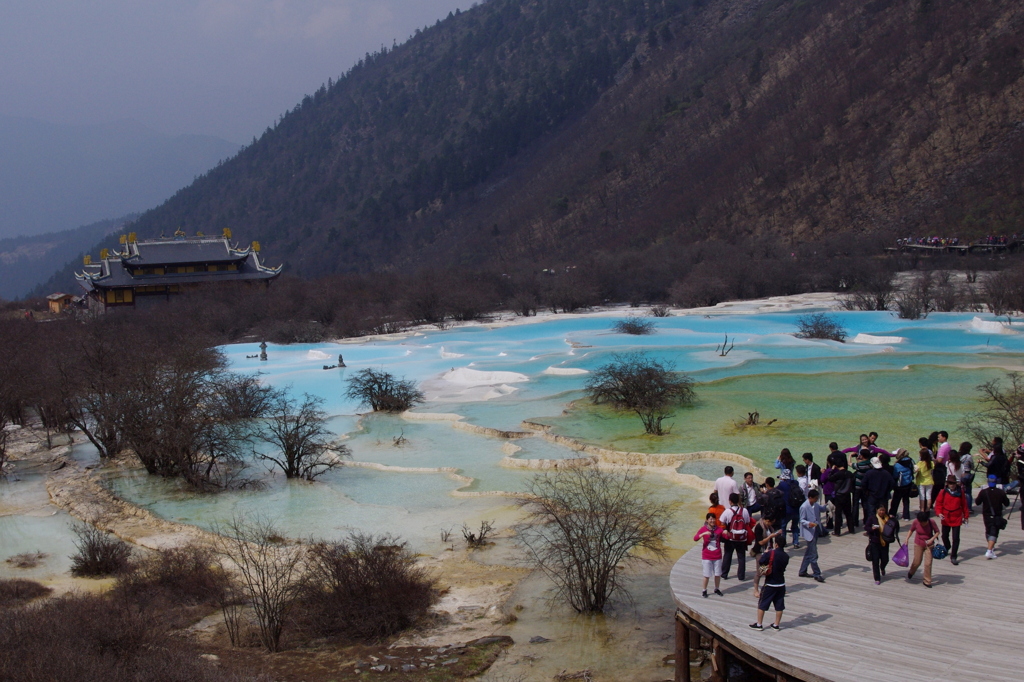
point(736, 520)
point(951, 508)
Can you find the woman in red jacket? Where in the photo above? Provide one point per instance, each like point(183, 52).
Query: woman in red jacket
point(951, 508)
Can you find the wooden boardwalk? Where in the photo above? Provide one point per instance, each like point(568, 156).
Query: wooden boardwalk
point(967, 627)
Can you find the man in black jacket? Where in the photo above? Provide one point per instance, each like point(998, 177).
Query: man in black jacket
point(842, 497)
point(876, 486)
point(992, 500)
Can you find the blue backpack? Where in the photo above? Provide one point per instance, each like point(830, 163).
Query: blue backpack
point(904, 474)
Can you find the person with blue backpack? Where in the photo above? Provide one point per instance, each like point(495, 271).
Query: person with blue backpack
point(903, 477)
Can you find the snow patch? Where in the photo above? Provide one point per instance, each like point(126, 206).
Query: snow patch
point(472, 377)
point(565, 371)
point(317, 355)
point(877, 340)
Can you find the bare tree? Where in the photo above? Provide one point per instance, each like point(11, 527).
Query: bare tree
point(820, 326)
point(270, 569)
point(1001, 412)
point(304, 447)
point(637, 382)
point(382, 391)
point(587, 526)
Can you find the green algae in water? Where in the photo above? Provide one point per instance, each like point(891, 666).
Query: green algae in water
point(811, 410)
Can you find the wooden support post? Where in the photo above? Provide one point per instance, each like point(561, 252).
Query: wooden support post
point(682, 651)
point(717, 662)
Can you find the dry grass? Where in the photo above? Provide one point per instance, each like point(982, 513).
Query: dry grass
point(27, 559)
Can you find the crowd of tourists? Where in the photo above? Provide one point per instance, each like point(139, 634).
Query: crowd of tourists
point(987, 240)
point(864, 488)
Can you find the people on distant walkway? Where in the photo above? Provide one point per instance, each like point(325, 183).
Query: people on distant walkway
point(878, 548)
point(951, 508)
point(711, 554)
point(773, 563)
point(992, 500)
point(810, 522)
point(924, 533)
point(726, 486)
point(923, 479)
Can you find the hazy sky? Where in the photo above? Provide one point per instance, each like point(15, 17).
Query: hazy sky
point(220, 67)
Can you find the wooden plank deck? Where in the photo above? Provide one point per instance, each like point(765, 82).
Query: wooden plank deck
point(967, 627)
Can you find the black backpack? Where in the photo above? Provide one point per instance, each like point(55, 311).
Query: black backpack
point(796, 495)
point(890, 530)
point(775, 503)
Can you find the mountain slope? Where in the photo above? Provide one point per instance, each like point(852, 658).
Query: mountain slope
point(557, 129)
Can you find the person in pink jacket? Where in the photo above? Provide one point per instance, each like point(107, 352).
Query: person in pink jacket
point(711, 554)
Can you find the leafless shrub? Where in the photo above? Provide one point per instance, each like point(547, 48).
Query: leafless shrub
point(446, 535)
point(660, 311)
point(17, 591)
point(27, 559)
point(303, 445)
point(820, 326)
point(181, 575)
point(98, 553)
point(93, 638)
point(586, 526)
point(365, 587)
point(637, 382)
point(382, 391)
point(269, 571)
point(634, 325)
point(480, 537)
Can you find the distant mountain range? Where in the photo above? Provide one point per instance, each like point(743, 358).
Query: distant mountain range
point(28, 262)
point(56, 177)
point(556, 131)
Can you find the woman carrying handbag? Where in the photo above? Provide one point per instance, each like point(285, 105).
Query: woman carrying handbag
point(924, 533)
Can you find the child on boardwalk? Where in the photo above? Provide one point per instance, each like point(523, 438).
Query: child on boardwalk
point(711, 555)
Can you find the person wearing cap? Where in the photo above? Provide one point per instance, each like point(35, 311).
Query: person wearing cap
point(951, 508)
point(992, 500)
point(876, 487)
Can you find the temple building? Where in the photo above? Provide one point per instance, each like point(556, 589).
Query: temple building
point(141, 272)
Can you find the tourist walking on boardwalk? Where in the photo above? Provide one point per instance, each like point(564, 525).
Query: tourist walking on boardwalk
point(774, 562)
point(966, 473)
point(951, 508)
point(923, 479)
point(876, 486)
point(996, 461)
point(992, 500)
point(784, 463)
point(737, 524)
point(750, 496)
point(903, 475)
point(860, 467)
point(843, 485)
point(726, 486)
point(765, 536)
point(794, 497)
point(878, 548)
point(711, 554)
point(813, 470)
point(810, 520)
point(940, 449)
point(716, 508)
point(924, 533)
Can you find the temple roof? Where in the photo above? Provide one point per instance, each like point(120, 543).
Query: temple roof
point(116, 270)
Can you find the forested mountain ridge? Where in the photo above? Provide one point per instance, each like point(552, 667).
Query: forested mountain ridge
point(560, 129)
